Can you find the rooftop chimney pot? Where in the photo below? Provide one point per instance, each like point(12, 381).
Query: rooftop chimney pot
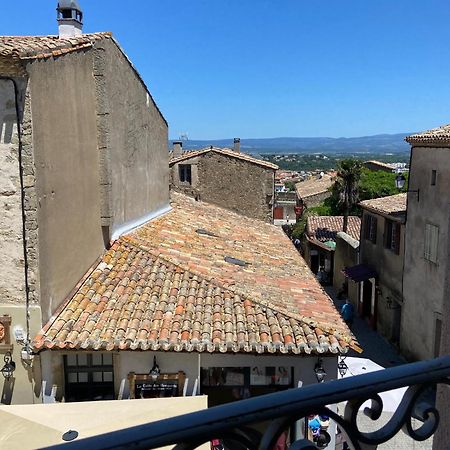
point(177, 149)
point(70, 19)
point(237, 145)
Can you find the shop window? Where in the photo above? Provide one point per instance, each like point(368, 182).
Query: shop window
point(185, 173)
point(431, 242)
point(392, 236)
point(227, 384)
point(88, 377)
point(370, 227)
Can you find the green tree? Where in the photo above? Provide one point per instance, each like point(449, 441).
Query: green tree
point(346, 186)
point(374, 184)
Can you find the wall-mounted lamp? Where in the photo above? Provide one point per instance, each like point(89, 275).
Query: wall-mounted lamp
point(342, 366)
point(320, 371)
point(9, 367)
point(400, 181)
point(155, 371)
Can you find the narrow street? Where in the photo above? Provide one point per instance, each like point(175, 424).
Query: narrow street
point(377, 351)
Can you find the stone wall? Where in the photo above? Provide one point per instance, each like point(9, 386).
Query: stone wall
point(132, 142)
point(231, 183)
point(316, 200)
point(12, 281)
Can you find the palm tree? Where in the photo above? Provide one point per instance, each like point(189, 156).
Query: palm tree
point(346, 186)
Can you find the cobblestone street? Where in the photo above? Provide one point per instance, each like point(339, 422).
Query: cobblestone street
point(380, 351)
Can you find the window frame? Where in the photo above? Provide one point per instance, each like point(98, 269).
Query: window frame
point(431, 243)
point(370, 228)
point(185, 173)
point(392, 235)
point(73, 389)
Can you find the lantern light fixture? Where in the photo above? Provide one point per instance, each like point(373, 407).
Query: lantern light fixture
point(342, 366)
point(320, 371)
point(400, 181)
point(9, 367)
point(155, 371)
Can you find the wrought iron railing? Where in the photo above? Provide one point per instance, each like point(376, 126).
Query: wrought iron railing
point(283, 409)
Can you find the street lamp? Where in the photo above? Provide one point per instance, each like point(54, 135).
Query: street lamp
point(155, 371)
point(9, 367)
point(320, 371)
point(342, 367)
point(400, 181)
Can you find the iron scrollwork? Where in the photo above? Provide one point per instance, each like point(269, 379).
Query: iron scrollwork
point(232, 422)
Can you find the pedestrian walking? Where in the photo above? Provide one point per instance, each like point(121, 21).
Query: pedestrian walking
point(347, 312)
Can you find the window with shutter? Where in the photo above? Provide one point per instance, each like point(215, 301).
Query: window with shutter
point(371, 228)
point(431, 242)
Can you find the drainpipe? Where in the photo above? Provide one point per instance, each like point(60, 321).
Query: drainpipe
point(22, 200)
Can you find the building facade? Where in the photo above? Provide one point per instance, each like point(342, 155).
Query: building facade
point(313, 191)
point(84, 154)
point(226, 178)
point(382, 248)
point(319, 242)
point(426, 261)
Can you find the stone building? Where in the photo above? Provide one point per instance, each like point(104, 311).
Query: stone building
point(83, 149)
point(319, 243)
point(346, 255)
point(284, 208)
point(379, 166)
point(427, 233)
point(226, 178)
point(380, 268)
point(313, 191)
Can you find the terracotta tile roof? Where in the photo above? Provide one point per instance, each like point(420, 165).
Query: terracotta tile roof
point(325, 228)
point(380, 164)
point(391, 205)
point(223, 151)
point(314, 186)
point(435, 136)
point(167, 286)
point(33, 47)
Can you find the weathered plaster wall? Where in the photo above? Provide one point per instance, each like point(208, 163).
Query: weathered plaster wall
point(132, 140)
point(240, 186)
point(442, 437)
point(66, 173)
point(12, 281)
point(389, 267)
point(423, 282)
point(345, 256)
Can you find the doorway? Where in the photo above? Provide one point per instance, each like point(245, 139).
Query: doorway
point(367, 299)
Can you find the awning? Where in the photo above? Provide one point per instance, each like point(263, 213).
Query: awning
point(358, 273)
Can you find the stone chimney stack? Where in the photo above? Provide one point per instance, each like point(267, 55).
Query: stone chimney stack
point(237, 145)
point(177, 149)
point(70, 19)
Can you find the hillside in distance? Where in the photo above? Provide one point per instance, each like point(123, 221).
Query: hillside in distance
point(380, 143)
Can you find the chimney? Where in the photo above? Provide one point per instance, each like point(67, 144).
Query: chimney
point(70, 19)
point(177, 149)
point(237, 145)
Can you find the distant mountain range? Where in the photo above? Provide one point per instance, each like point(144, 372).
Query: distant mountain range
point(380, 143)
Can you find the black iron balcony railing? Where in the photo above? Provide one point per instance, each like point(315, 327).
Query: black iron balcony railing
point(282, 410)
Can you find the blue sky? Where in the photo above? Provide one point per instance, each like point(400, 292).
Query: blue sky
point(270, 68)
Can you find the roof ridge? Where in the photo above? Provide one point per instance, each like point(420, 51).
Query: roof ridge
point(300, 318)
point(224, 151)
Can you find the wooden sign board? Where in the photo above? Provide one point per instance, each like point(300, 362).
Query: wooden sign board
point(165, 385)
